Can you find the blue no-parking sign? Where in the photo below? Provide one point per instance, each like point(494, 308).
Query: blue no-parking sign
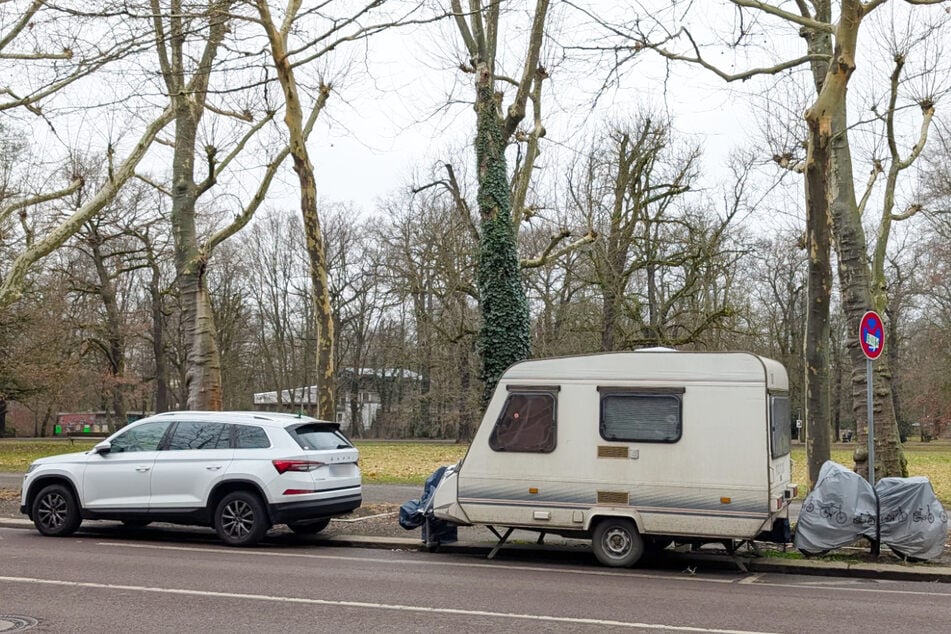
point(872, 335)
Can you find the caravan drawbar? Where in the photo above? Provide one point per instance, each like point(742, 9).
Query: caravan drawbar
point(633, 450)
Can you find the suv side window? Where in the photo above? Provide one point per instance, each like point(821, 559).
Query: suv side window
point(145, 437)
point(250, 437)
point(194, 435)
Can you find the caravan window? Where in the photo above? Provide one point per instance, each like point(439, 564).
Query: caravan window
point(641, 416)
point(527, 424)
point(779, 425)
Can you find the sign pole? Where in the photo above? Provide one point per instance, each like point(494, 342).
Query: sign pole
point(871, 423)
point(877, 545)
point(872, 342)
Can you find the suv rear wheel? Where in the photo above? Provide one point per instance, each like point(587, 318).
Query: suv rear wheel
point(241, 519)
point(55, 512)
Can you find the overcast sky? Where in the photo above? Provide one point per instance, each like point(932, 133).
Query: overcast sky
point(384, 133)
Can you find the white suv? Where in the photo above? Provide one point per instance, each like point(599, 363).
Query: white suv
point(240, 472)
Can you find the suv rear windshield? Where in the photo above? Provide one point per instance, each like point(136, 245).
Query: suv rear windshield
point(319, 436)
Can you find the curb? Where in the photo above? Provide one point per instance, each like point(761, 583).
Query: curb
point(690, 561)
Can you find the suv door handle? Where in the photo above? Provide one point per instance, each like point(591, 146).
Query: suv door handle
point(142, 469)
point(213, 467)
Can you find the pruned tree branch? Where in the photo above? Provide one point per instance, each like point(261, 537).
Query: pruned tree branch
point(550, 254)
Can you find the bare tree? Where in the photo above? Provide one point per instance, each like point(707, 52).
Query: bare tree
point(55, 49)
point(831, 203)
point(505, 337)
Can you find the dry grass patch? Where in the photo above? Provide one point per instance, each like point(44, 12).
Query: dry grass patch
point(411, 462)
point(381, 462)
point(405, 462)
point(16, 455)
point(931, 459)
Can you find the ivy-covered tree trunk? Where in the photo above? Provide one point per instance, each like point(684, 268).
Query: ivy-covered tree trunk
point(504, 337)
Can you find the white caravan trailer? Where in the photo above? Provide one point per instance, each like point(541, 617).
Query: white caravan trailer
point(633, 450)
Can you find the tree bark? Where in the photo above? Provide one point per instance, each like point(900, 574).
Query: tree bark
point(505, 334)
point(158, 335)
point(299, 130)
point(203, 360)
point(115, 342)
point(819, 291)
point(819, 248)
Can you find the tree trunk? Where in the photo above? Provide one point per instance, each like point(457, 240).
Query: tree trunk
point(115, 348)
point(819, 248)
point(158, 339)
point(3, 418)
point(819, 292)
point(299, 130)
point(855, 288)
point(504, 336)
point(203, 361)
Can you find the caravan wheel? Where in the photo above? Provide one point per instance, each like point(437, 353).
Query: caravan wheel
point(617, 543)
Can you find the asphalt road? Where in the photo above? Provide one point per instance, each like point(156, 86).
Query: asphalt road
point(10, 480)
point(110, 581)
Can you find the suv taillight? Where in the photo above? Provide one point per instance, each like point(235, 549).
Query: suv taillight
point(296, 465)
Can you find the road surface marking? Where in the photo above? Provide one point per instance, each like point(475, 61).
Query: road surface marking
point(421, 562)
point(749, 580)
point(372, 606)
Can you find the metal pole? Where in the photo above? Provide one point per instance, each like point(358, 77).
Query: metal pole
point(876, 545)
point(871, 424)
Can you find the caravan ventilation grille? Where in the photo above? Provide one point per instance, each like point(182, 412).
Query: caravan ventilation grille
point(613, 497)
point(612, 451)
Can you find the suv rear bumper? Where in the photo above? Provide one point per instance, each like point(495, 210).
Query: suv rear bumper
point(313, 509)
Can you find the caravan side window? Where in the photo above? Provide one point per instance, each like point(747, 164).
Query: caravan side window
point(780, 428)
point(652, 415)
point(527, 423)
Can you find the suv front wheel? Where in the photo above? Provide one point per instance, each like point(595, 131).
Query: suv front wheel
point(55, 512)
point(241, 519)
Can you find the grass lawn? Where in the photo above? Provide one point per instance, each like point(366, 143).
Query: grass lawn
point(381, 462)
point(930, 459)
point(410, 462)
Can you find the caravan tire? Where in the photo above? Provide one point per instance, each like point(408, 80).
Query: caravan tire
point(617, 543)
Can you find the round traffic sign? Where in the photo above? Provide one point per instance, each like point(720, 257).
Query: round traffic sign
point(872, 335)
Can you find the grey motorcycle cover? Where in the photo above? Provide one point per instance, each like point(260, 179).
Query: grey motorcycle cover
point(838, 511)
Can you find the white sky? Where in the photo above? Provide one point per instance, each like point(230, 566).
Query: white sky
point(384, 123)
point(382, 137)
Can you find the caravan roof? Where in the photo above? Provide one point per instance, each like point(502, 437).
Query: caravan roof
point(656, 366)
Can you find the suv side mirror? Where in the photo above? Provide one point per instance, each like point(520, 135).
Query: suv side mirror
point(102, 448)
